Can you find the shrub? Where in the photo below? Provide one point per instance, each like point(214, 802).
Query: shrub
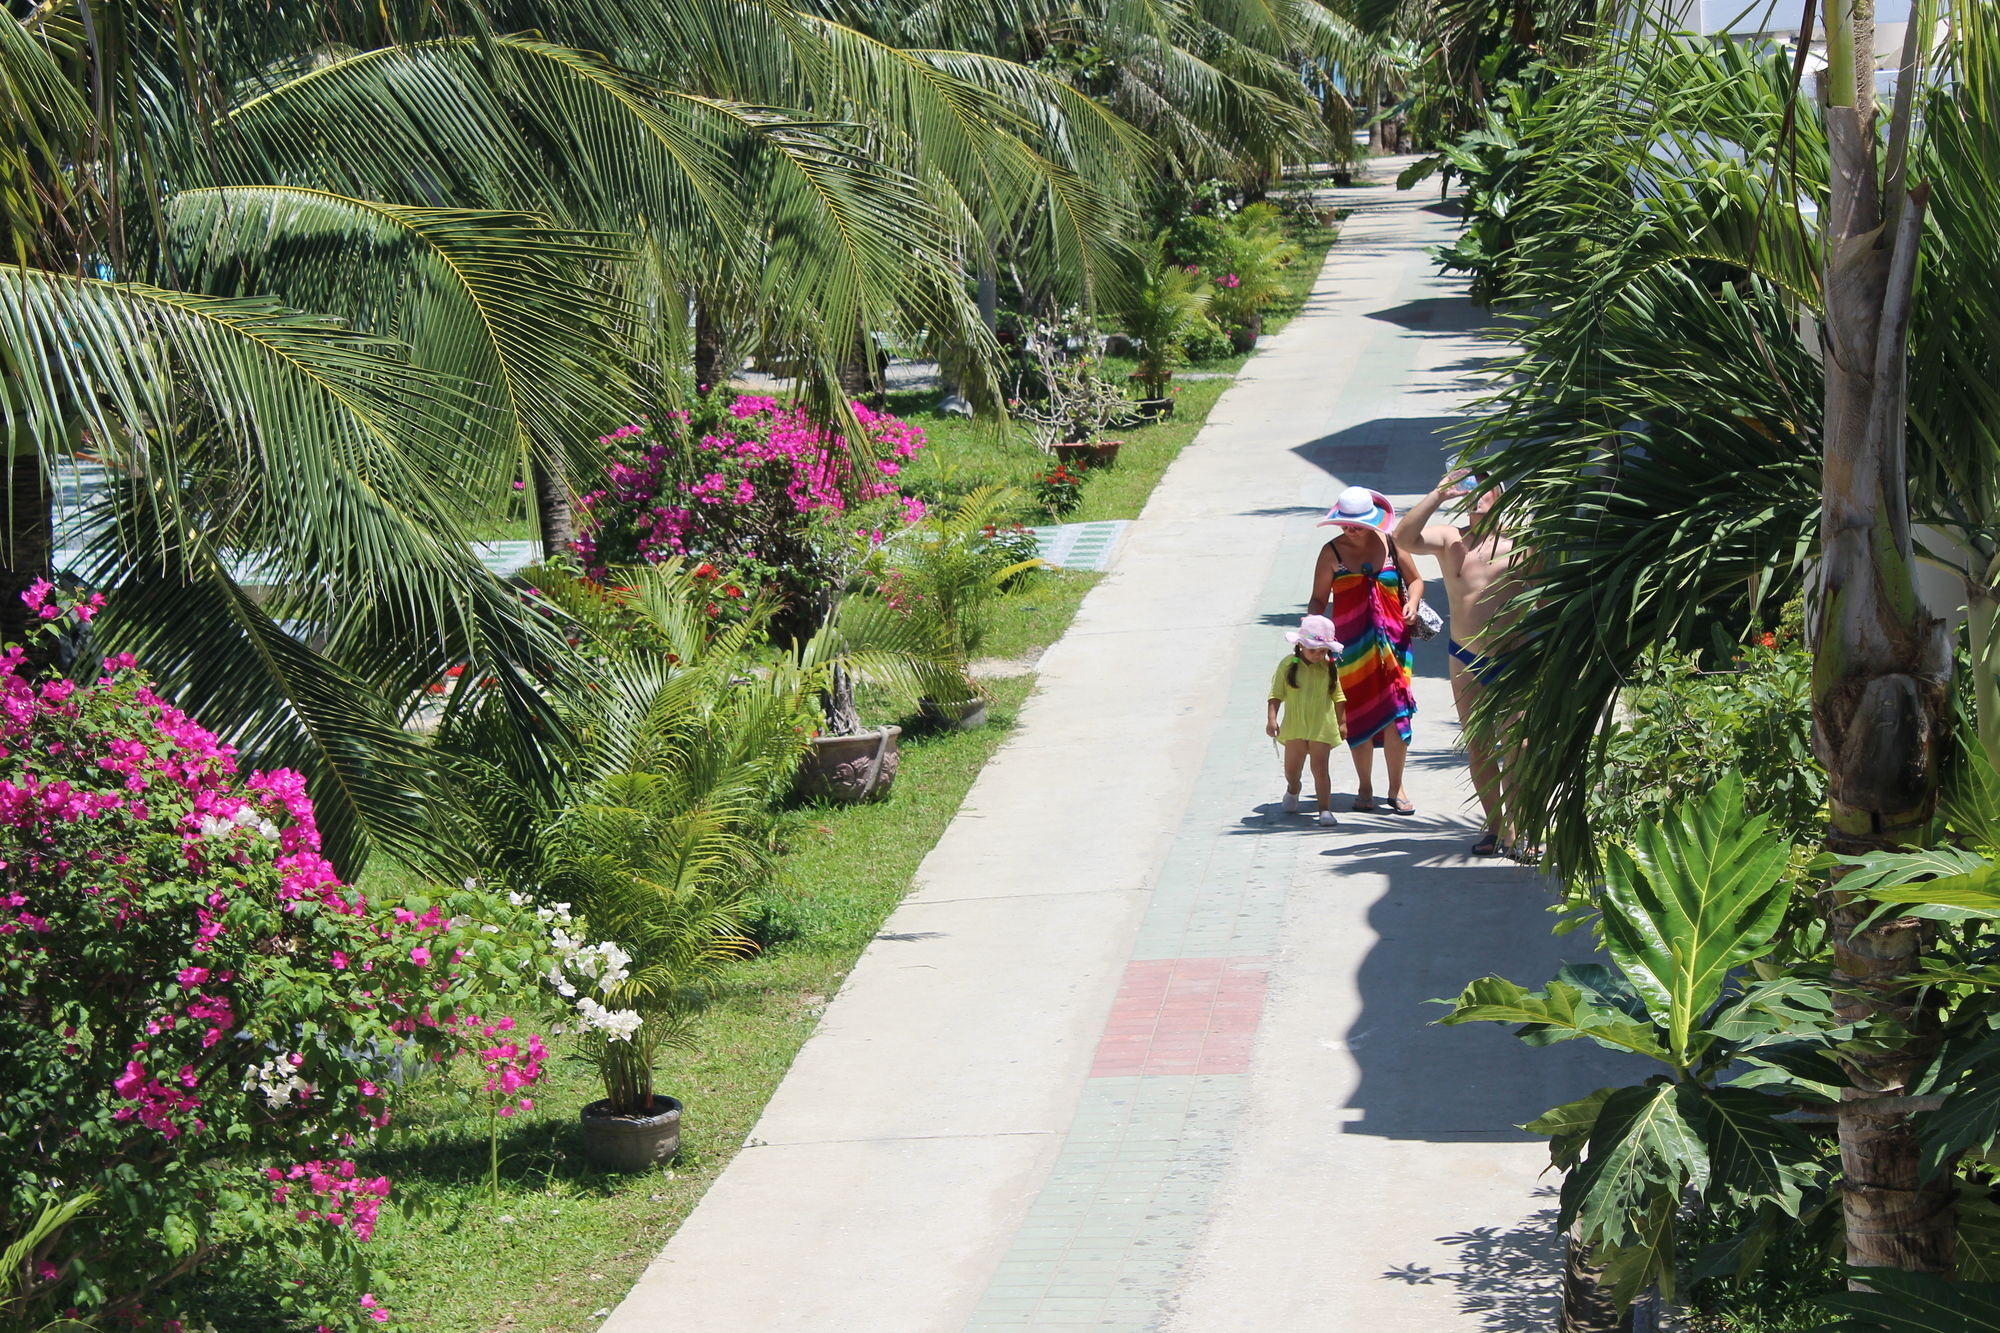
point(200, 1024)
point(1248, 266)
point(754, 487)
point(1205, 341)
point(1162, 308)
point(942, 573)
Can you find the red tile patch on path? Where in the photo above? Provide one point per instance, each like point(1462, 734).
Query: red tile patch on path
point(1183, 1016)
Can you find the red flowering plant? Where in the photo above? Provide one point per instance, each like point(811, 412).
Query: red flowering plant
point(753, 488)
point(201, 1026)
point(1059, 490)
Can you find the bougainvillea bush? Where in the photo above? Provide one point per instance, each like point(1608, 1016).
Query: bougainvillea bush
point(752, 486)
point(201, 1027)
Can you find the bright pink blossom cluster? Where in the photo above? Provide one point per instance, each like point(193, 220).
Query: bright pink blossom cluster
point(158, 1105)
point(735, 487)
point(41, 599)
point(510, 1064)
point(341, 1196)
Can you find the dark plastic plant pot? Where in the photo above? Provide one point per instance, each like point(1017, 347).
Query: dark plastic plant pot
point(851, 769)
point(632, 1143)
point(967, 716)
point(1154, 409)
point(1099, 453)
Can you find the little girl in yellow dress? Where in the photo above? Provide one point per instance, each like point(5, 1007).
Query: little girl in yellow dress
point(1306, 687)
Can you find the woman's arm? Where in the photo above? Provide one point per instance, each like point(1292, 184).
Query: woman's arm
point(1271, 718)
point(1413, 585)
point(1322, 581)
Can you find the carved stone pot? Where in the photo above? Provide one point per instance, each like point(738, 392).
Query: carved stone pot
point(850, 769)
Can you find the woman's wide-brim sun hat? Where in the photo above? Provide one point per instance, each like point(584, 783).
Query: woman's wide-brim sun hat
point(1314, 632)
point(1359, 507)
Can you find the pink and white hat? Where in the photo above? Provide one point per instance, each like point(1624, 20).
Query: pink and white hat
point(1314, 632)
point(1359, 507)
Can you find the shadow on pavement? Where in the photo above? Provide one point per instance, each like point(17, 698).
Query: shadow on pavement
point(1506, 1276)
point(1436, 314)
point(1396, 455)
point(1445, 919)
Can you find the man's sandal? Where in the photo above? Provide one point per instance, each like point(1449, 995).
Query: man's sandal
point(1488, 844)
point(1363, 805)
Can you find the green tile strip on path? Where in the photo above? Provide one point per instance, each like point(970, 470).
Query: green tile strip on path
point(1085, 546)
point(1105, 1243)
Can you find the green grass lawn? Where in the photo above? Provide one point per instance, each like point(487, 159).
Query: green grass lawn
point(562, 1242)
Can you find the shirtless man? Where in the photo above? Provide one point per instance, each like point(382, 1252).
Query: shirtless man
point(1479, 584)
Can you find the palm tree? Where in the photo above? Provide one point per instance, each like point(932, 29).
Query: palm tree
point(1673, 431)
point(499, 226)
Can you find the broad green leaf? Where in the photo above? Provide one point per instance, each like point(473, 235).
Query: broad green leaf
point(1642, 1149)
point(1978, 1256)
point(1700, 893)
point(1967, 1070)
point(1560, 1013)
point(1753, 1156)
point(1569, 1125)
point(1900, 1302)
point(1896, 869)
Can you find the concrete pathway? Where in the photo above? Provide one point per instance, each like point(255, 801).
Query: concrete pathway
point(1140, 1051)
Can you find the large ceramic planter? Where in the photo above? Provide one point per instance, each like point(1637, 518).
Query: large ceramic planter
point(1099, 453)
point(967, 716)
point(631, 1142)
point(850, 769)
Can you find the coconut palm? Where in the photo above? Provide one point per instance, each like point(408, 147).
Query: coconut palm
point(488, 226)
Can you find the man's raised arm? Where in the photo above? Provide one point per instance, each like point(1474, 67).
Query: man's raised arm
point(1414, 530)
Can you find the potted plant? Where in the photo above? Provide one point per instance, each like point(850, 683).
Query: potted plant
point(1251, 256)
point(1165, 305)
point(942, 574)
point(632, 1127)
point(864, 642)
point(1077, 402)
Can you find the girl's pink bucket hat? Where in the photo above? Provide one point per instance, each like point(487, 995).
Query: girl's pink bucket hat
point(1314, 632)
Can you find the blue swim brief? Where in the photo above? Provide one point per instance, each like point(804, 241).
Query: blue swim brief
point(1484, 669)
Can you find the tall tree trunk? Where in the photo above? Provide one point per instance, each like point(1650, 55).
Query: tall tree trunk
point(1376, 143)
point(857, 370)
point(553, 516)
point(1587, 1302)
point(1881, 670)
point(30, 539)
point(709, 372)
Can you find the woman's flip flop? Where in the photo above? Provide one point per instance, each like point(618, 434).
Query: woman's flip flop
point(1402, 805)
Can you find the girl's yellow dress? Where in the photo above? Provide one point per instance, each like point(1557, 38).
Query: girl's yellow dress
point(1306, 710)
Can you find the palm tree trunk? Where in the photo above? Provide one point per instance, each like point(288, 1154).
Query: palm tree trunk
point(29, 543)
point(1881, 676)
point(1375, 124)
point(709, 371)
point(553, 515)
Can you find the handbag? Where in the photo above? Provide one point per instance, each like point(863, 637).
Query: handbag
point(1428, 622)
